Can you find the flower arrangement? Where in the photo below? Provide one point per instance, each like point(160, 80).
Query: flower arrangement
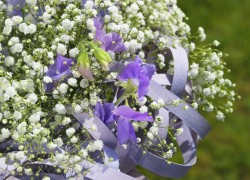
point(97, 88)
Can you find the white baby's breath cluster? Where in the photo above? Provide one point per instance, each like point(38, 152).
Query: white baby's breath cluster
point(32, 34)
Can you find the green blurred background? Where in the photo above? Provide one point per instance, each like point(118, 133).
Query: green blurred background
point(225, 152)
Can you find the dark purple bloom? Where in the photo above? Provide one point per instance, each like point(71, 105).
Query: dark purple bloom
point(140, 74)
point(17, 7)
point(125, 130)
point(105, 112)
point(58, 71)
point(109, 42)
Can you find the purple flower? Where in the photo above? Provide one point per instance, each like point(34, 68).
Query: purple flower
point(58, 71)
point(109, 42)
point(17, 7)
point(105, 112)
point(140, 74)
point(125, 130)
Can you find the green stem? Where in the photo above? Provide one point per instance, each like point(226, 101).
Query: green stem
point(122, 98)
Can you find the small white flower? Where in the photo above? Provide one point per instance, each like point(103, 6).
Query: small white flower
point(7, 30)
point(59, 157)
point(21, 128)
point(8, 22)
point(88, 5)
point(23, 27)
point(60, 109)
point(98, 145)
point(143, 124)
point(135, 126)
point(78, 109)
point(46, 17)
point(5, 133)
point(161, 102)
point(143, 109)
point(51, 145)
point(154, 130)
point(58, 142)
point(84, 83)
point(179, 131)
point(66, 121)
point(77, 168)
point(207, 91)
point(67, 24)
point(34, 118)
point(72, 82)
point(50, 55)
point(19, 155)
point(13, 41)
point(9, 61)
point(150, 135)
point(74, 139)
point(70, 132)
point(17, 20)
point(154, 105)
point(55, 94)
point(17, 48)
point(90, 25)
point(17, 115)
point(46, 178)
point(195, 105)
point(63, 88)
point(83, 153)
point(216, 43)
point(47, 79)
point(28, 172)
point(32, 98)
point(10, 91)
point(192, 46)
point(76, 74)
point(73, 52)
point(168, 154)
point(220, 116)
point(61, 49)
point(32, 28)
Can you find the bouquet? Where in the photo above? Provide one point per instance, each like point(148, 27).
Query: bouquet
point(96, 89)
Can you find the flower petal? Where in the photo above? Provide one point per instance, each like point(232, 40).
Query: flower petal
point(132, 134)
point(108, 109)
point(60, 70)
point(131, 71)
point(99, 111)
point(148, 70)
point(63, 63)
point(100, 33)
point(123, 130)
point(143, 86)
point(129, 113)
point(113, 42)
